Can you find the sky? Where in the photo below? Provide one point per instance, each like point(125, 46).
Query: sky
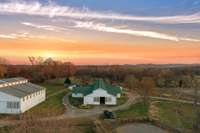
point(101, 32)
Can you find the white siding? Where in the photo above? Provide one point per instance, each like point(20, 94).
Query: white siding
point(35, 99)
point(118, 95)
point(24, 103)
point(77, 95)
point(89, 99)
point(4, 98)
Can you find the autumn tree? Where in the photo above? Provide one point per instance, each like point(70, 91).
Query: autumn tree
point(44, 69)
point(131, 82)
point(3, 67)
point(145, 88)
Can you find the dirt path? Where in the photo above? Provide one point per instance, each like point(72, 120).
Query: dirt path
point(174, 100)
point(56, 93)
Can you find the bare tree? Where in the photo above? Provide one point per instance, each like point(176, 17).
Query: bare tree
point(131, 82)
point(196, 86)
point(32, 60)
point(146, 88)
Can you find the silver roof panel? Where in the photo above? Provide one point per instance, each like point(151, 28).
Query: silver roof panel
point(21, 90)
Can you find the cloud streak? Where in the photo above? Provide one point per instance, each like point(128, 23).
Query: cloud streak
point(24, 35)
point(149, 34)
point(52, 10)
point(7, 36)
point(27, 36)
point(43, 27)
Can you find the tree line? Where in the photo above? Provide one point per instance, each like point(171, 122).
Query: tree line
point(41, 69)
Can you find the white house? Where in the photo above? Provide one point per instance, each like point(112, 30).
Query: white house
point(17, 95)
point(98, 93)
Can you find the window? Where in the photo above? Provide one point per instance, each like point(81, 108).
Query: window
point(108, 99)
point(12, 105)
point(96, 99)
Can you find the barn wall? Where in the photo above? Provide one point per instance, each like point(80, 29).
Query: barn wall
point(4, 98)
point(35, 99)
point(89, 99)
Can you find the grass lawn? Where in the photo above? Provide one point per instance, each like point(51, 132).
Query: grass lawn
point(122, 100)
point(53, 86)
point(137, 111)
point(77, 102)
point(176, 114)
point(89, 130)
point(53, 105)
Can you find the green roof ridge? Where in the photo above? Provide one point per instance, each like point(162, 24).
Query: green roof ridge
point(99, 83)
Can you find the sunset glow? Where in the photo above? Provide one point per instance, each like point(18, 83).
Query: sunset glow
point(84, 33)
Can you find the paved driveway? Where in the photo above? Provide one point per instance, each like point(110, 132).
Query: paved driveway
point(72, 111)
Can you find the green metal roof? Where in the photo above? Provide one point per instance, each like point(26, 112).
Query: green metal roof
point(99, 83)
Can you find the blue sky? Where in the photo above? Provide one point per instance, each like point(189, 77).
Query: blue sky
point(149, 7)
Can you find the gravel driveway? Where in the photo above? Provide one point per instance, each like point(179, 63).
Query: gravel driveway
point(72, 111)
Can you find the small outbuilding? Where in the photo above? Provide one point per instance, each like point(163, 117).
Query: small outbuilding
point(98, 93)
point(17, 95)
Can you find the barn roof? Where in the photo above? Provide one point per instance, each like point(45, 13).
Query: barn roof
point(19, 90)
point(9, 80)
point(99, 83)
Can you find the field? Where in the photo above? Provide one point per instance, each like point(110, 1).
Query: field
point(136, 111)
point(172, 114)
point(176, 115)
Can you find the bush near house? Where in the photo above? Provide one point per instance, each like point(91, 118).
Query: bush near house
point(78, 102)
